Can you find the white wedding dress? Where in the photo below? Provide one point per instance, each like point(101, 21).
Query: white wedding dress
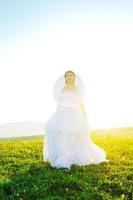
point(67, 140)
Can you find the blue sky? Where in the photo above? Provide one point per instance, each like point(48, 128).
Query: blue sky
point(22, 18)
point(93, 38)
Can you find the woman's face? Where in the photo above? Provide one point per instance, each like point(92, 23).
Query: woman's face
point(69, 77)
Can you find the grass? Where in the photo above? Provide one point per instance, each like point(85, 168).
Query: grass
point(25, 176)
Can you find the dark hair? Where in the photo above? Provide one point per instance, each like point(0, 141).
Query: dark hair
point(70, 72)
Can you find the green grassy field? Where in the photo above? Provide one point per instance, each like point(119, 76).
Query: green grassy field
point(25, 176)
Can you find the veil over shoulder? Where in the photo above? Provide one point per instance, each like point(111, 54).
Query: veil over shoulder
point(60, 83)
point(67, 137)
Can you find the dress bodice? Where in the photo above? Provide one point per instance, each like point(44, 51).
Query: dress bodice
point(69, 99)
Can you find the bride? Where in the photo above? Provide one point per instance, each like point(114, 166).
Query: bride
point(67, 140)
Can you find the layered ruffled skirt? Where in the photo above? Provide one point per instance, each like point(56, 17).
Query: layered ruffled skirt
point(67, 140)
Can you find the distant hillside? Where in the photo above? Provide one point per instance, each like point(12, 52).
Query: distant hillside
point(115, 132)
point(18, 129)
point(39, 134)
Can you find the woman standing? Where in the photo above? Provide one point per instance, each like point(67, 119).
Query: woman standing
point(67, 139)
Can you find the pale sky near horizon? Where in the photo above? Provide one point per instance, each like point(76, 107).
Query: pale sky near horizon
point(40, 40)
